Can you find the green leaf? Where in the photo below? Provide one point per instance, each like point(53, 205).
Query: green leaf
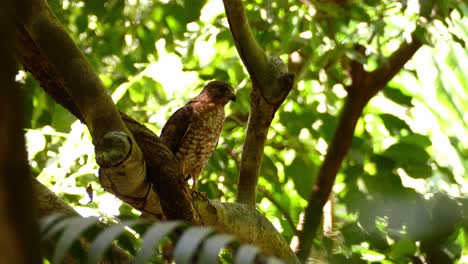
point(422, 35)
point(442, 8)
point(389, 183)
point(354, 199)
point(397, 96)
point(269, 170)
point(127, 212)
point(140, 88)
point(459, 40)
point(327, 130)
point(359, 13)
point(147, 39)
point(96, 7)
point(82, 22)
point(193, 9)
point(417, 139)
point(371, 255)
point(330, 56)
point(188, 244)
point(425, 7)
point(303, 173)
point(114, 12)
point(174, 24)
point(418, 170)
point(295, 121)
point(448, 172)
point(404, 153)
point(353, 234)
point(394, 124)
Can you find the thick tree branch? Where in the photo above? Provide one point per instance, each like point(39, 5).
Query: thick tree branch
point(253, 57)
point(365, 86)
point(271, 83)
point(168, 187)
point(116, 151)
point(337, 150)
point(121, 161)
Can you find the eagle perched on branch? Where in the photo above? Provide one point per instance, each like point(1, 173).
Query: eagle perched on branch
point(192, 132)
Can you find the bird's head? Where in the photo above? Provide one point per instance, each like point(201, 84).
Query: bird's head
point(219, 92)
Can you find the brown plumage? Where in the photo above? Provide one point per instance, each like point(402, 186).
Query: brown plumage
point(192, 132)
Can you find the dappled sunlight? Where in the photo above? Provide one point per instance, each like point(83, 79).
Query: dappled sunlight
point(401, 187)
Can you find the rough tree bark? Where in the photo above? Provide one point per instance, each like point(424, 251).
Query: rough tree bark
point(271, 83)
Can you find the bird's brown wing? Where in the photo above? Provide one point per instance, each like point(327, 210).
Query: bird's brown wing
point(176, 127)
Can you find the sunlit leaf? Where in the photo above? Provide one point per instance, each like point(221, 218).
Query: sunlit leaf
point(418, 170)
point(406, 153)
point(397, 96)
point(417, 139)
point(303, 172)
point(394, 124)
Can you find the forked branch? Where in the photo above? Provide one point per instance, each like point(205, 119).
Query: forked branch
point(271, 83)
point(163, 172)
point(365, 86)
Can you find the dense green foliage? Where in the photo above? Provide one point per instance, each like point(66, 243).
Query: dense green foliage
point(401, 190)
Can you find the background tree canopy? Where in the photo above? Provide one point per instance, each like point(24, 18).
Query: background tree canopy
point(400, 192)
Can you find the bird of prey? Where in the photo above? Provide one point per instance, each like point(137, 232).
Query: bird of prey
point(192, 132)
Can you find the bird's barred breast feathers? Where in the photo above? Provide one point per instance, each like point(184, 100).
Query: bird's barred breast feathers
point(201, 138)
